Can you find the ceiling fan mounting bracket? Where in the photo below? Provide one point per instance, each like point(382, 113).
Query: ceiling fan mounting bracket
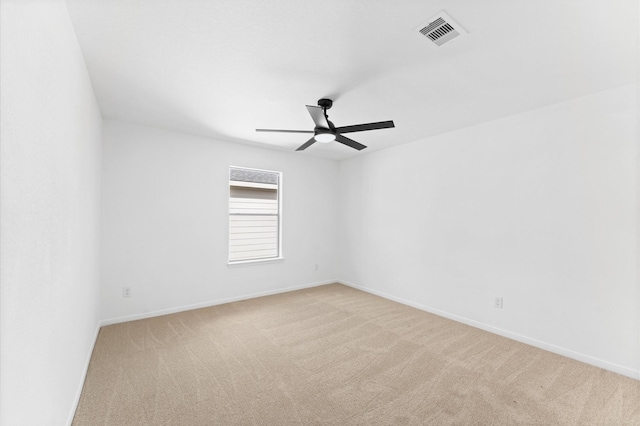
point(325, 103)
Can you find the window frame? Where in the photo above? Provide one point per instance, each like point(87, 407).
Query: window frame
point(279, 257)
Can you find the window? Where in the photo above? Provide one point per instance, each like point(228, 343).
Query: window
point(254, 214)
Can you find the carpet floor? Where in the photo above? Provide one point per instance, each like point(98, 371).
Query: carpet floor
point(333, 355)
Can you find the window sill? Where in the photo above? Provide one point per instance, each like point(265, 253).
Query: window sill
point(254, 262)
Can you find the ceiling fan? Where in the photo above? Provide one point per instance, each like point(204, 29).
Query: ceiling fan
point(326, 132)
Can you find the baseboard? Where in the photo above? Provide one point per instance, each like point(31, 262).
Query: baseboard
point(76, 400)
point(620, 369)
point(210, 303)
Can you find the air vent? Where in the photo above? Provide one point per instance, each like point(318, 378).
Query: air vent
point(440, 29)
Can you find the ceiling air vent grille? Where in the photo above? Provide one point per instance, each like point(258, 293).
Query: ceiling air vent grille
point(440, 29)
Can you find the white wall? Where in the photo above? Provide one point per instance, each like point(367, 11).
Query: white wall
point(49, 188)
point(165, 221)
point(540, 208)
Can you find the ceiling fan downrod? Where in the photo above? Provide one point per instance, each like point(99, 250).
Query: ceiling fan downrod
point(326, 104)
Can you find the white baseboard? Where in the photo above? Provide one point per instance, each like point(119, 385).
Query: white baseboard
point(620, 369)
point(76, 400)
point(210, 303)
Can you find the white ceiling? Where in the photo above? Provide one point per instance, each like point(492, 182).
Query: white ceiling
point(224, 68)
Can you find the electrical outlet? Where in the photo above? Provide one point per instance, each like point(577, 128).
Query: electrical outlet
point(497, 302)
point(126, 291)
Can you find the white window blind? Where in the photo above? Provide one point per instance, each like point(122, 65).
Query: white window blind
point(254, 214)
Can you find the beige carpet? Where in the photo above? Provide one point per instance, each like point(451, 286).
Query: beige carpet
point(333, 355)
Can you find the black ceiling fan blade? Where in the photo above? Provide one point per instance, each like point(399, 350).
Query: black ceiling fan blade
point(317, 114)
point(369, 126)
point(350, 142)
point(284, 131)
point(306, 145)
